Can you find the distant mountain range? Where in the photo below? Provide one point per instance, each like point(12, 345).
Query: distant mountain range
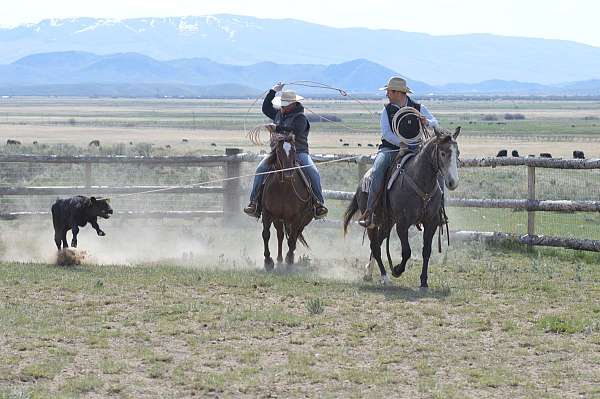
point(239, 40)
point(76, 73)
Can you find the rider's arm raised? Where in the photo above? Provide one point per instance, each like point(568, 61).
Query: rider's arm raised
point(267, 108)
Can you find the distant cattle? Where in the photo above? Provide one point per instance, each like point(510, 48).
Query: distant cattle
point(346, 145)
point(94, 143)
point(35, 143)
point(168, 146)
point(359, 144)
point(341, 140)
point(184, 140)
point(546, 155)
point(13, 142)
point(502, 153)
point(370, 145)
point(72, 213)
point(515, 153)
point(213, 144)
point(578, 154)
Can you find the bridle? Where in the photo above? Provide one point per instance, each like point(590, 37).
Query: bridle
point(277, 138)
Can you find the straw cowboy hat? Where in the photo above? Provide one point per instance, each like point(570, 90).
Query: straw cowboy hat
point(398, 84)
point(287, 97)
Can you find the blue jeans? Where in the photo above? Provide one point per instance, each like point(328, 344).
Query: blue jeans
point(381, 164)
point(311, 172)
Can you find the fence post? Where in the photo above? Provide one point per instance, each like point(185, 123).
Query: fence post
point(232, 189)
point(530, 199)
point(88, 175)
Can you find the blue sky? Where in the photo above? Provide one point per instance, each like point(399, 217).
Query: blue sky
point(575, 20)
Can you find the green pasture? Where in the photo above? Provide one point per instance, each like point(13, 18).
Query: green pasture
point(495, 323)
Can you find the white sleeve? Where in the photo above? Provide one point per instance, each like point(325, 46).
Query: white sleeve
point(386, 131)
point(433, 122)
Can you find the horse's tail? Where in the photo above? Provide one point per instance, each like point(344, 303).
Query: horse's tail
point(351, 210)
point(303, 240)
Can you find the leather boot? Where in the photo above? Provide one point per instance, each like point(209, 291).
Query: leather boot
point(250, 210)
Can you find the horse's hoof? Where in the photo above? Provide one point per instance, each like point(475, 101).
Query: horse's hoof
point(289, 260)
point(397, 271)
point(424, 288)
point(279, 261)
point(269, 265)
point(385, 280)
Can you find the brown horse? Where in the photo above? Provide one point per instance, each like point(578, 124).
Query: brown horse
point(287, 202)
point(415, 198)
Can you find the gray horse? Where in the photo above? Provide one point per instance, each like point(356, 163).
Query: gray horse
point(415, 198)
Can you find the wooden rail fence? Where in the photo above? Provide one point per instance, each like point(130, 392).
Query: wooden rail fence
point(231, 189)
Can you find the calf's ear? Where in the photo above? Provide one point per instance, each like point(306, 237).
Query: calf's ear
point(93, 199)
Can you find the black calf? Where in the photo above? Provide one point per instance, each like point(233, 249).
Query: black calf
point(72, 213)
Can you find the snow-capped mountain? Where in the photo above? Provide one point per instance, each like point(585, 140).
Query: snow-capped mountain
point(240, 40)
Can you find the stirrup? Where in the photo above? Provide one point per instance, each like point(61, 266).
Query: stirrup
point(366, 220)
point(321, 211)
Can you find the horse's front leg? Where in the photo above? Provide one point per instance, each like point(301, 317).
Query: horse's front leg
point(266, 235)
point(427, 239)
point(280, 235)
point(403, 235)
point(375, 238)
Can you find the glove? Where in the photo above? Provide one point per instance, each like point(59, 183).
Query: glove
point(278, 87)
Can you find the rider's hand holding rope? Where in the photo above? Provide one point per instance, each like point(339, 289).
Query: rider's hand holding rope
point(254, 133)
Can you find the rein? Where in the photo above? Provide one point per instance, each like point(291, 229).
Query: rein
point(282, 169)
point(426, 198)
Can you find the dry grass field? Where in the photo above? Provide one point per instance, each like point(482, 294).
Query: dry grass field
point(182, 308)
point(558, 127)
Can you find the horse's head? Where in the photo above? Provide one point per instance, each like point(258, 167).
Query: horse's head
point(446, 155)
point(285, 153)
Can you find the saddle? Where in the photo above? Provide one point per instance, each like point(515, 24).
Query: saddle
point(271, 162)
point(390, 175)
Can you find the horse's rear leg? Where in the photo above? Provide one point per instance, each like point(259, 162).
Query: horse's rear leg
point(280, 234)
point(376, 241)
point(266, 235)
point(427, 239)
point(368, 276)
point(403, 235)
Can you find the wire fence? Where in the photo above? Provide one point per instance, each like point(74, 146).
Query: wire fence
point(31, 187)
